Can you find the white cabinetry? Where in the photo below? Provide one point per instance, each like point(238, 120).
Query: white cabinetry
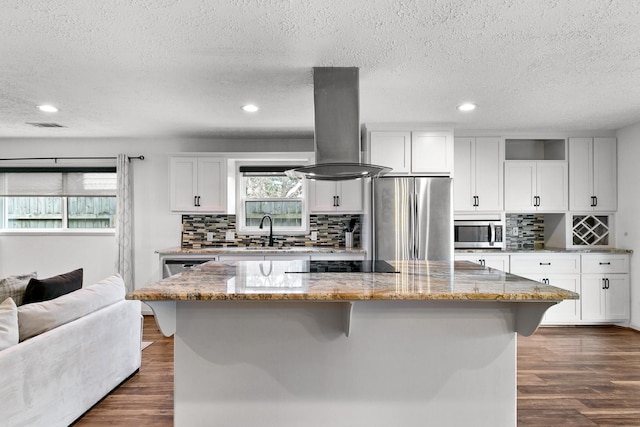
point(335, 196)
point(560, 270)
point(605, 288)
point(536, 186)
point(478, 182)
point(593, 174)
point(413, 152)
point(197, 184)
point(498, 262)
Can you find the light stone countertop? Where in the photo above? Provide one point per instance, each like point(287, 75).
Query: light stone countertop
point(259, 250)
point(545, 251)
point(416, 280)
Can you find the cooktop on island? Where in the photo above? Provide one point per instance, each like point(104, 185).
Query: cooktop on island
point(343, 267)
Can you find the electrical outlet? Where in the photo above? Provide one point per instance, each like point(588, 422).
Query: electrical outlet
point(229, 235)
point(210, 236)
point(314, 235)
point(514, 231)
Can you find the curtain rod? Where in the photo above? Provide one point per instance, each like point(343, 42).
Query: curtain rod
point(55, 159)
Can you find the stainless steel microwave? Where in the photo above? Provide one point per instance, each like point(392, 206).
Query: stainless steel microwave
point(478, 234)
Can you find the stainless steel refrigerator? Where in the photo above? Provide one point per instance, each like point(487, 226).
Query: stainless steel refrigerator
point(412, 218)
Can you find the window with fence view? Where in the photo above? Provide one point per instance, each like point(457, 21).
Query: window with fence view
point(58, 200)
point(273, 194)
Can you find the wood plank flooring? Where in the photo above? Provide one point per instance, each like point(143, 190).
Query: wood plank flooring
point(582, 376)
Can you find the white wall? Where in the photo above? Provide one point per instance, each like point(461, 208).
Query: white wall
point(628, 217)
point(155, 227)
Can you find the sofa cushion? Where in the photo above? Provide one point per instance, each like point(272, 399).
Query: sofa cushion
point(15, 286)
point(8, 324)
point(47, 289)
point(39, 317)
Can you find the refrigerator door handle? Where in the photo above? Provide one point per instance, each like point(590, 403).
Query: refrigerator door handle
point(416, 227)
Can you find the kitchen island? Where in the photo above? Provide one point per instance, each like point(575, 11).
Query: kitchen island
point(267, 343)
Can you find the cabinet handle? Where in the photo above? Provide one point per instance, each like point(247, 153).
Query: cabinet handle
point(605, 263)
point(607, 281)
point(338, 200)
point(196, 201)
point(594, 201)
point(476, 201)
point(545, 281)
point(536, 201)
point(482, 262)
point(545, 263)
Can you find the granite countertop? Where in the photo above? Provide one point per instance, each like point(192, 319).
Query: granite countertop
point(548, 250)
point(415, 280)
point(259, 250)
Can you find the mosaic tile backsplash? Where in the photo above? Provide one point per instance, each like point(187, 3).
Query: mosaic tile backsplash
point(530, 231)
point(330, 230)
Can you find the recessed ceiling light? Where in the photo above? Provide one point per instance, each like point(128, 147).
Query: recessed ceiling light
point(47, 108)
point(250, 108)
point(467, 106)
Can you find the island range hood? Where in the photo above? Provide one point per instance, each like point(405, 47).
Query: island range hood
point(336, 97)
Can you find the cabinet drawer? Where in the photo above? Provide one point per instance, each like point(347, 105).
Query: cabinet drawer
point(551, 263)
point(605, 263)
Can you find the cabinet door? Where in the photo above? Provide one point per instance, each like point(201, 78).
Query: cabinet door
point(593, 298)
point(581, 173)
point(350, 196)
point(617, 297)
point(605, 174)
point(497, 262)
point(552, 186)
point(464, 182)
point(519, 185)
point(567, 311)
point(212, 185)
point(391, 149)
point(488, 174)
point(431, 152)
point(322, 196)
point(183, 179)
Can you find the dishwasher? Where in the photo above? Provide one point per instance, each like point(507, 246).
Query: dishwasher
point(172, 265)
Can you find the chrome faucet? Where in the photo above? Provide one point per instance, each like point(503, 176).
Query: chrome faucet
point(270, 228)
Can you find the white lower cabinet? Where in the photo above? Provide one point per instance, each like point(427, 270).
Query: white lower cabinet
point(559, 270)
point(605, 288)
point(566, 312)
point(498, 262)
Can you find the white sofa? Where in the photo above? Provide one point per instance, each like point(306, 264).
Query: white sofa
point(54, 377)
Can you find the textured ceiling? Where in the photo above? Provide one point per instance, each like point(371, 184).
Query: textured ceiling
point(169, 67)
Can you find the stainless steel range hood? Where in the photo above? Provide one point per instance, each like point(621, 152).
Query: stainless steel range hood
point(337, 128)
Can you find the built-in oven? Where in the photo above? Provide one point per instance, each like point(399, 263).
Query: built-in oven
point(473, 234)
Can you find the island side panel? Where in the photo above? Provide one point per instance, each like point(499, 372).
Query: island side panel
point(405, 363)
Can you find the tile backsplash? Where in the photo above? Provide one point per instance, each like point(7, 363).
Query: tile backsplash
point(330, 230)
point(530, 231)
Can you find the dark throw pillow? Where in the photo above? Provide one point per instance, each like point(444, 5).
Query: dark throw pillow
point(39, 290)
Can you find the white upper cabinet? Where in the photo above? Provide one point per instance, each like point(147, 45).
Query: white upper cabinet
point(478, 182)
point(593, 174)
point(392, 149)
point(412, 152)
point(197, 184)
point(536, 186)
point(431, 152)
point(335, 196)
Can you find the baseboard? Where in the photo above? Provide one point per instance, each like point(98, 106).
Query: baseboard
point(633, 326)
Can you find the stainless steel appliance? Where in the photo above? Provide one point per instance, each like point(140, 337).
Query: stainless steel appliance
point(471, 234)
point(174, 264)
point(412, 218)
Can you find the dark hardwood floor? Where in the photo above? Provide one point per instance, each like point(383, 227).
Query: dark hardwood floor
point(582, 376)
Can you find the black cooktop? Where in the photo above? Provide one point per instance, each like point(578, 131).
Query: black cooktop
point(345, 267)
